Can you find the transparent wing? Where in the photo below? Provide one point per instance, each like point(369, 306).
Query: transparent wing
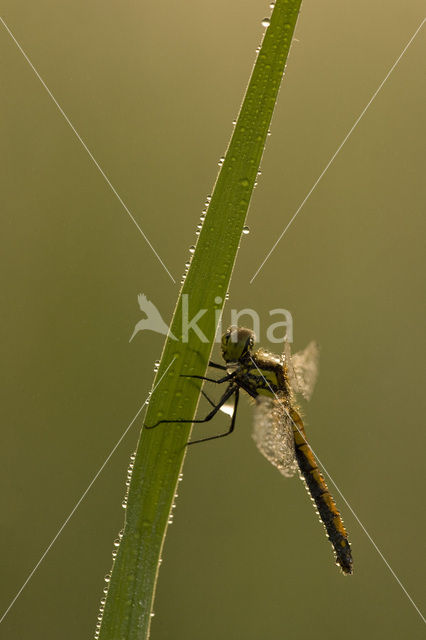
point(273, 434)
point(228, 409)
point(302, 368)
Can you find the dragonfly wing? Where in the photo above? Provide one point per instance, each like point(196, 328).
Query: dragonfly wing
point(303, 369)
point(228, 409)
point(273, 435)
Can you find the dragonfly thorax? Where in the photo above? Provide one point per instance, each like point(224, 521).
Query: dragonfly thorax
point(263, 375)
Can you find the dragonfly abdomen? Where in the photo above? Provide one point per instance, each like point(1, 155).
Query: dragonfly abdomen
point(318, 489)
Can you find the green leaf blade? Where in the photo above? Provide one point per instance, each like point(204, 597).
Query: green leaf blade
point(161, 451)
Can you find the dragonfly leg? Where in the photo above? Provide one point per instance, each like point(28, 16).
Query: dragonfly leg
point(231, 428)
point(207, 398)
point(216, 366)
point(228, 393)
point(226, 378)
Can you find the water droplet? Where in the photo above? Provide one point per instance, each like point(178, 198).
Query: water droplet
point(266, 22)
point(192, 249)
point(246, 230)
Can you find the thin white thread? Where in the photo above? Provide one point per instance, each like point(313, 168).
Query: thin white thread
point(107, 459)
point(343, 497)
point(340, 147)
point(79, 138)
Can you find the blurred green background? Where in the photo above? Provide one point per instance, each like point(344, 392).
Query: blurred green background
point(153, 88)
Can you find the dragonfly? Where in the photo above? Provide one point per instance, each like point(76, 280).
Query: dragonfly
point(271, 381)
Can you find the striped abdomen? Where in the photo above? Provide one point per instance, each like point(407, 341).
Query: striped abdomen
point(318, 489)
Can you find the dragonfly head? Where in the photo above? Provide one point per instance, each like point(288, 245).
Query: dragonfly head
point(236, 343)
